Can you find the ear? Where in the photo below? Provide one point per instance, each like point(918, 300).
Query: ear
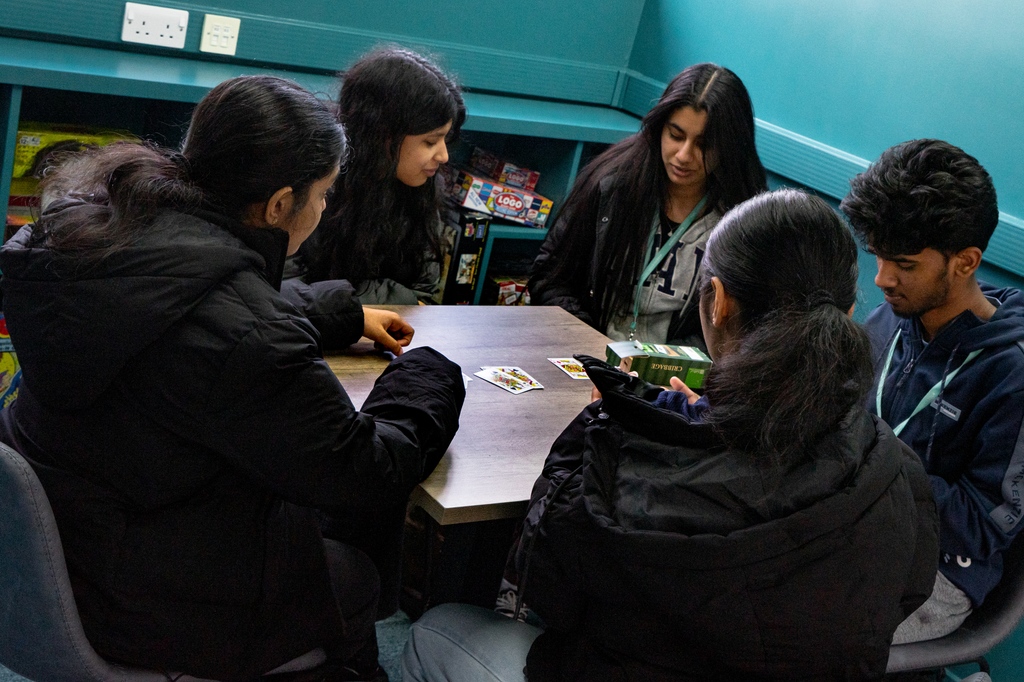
point(723, 306)
point(849, 313)
point(966, 262)
point(279, 206)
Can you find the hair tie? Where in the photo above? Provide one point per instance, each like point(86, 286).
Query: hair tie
point(820, 298)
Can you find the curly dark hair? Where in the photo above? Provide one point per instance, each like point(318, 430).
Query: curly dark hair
point(922, 194)
point(375, 226)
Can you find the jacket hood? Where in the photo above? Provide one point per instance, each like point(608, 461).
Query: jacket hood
point(75, 326)
point(646, 502)
point(1004, 328)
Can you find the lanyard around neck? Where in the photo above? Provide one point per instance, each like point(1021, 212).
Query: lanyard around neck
point(929, 397)
point(653, 261)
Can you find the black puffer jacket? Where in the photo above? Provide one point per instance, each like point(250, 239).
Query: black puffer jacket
point(183, 423)
point(666, 557)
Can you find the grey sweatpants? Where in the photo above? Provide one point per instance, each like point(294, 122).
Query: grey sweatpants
point(943, 613)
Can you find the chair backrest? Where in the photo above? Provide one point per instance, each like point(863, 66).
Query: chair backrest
point(41, 635)
point(989, 624)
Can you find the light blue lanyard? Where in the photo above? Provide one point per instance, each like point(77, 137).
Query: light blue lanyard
point(654, 261)
point(929, 397)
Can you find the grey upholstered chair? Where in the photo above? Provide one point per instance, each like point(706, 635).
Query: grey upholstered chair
point(987, 626)
point(41, 636)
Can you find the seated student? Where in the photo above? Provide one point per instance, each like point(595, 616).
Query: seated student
point(381, 227)
point(178, 410)
point(775, 530)
point(949, 360)
point(624, 254)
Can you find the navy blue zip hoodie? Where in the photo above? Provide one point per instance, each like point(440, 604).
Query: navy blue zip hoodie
point(970, 436)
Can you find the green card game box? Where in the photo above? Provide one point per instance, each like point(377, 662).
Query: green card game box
point(658, 362)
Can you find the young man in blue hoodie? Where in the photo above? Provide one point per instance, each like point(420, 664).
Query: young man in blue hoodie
point(949, 354)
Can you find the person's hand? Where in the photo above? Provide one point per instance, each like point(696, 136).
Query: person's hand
point(386, 329)
point(677, 385)
point(596, 394)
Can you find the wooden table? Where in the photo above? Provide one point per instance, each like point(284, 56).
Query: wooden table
point(503, 438)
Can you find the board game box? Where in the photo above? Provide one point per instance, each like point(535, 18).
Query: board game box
point(659, 362)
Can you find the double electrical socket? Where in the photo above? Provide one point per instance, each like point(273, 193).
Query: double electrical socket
point(166, 27)
point(152, 25)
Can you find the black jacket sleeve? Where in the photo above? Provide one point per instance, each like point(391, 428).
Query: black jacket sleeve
point(279, 414)
point(550, 285)
point(545, 553)
point(332, 307)
point(546, 286)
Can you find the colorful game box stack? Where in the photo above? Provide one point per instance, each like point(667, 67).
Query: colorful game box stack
point(501, 201)
point(503, 171)
point(500, 189)
point(512, 290)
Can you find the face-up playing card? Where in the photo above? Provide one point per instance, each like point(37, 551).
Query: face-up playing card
point(518, 373)
point(570, 366)
point(512, 379)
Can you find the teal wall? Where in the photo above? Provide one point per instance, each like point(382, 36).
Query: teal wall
point(603, 34)
point(534, 47)
point(862, 76)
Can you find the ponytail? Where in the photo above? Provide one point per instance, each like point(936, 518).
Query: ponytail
point(120, 188)
point(800, 363)
point(793, 378)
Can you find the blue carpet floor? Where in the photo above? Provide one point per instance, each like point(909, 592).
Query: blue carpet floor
point(391, 635)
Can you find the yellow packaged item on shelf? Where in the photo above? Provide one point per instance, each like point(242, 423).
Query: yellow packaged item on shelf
point(37, 142)
point(23, 202)
point(10, 370)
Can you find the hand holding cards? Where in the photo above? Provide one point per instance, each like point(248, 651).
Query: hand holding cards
point(512, 379)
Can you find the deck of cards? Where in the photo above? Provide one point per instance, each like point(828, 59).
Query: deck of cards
point(512, 379)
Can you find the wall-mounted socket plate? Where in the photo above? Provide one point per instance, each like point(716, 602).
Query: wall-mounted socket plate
point(220, 34)
point(151, 25)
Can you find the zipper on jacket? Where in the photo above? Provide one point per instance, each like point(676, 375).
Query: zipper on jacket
point(906, 373)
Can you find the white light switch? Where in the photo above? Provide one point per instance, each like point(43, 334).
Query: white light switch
point(220, 34)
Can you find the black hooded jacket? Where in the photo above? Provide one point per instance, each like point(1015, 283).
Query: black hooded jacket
point(184, 424)
point(665, 556)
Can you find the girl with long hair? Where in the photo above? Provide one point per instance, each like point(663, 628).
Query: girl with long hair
point(381, 231)
point(624, 254)
point(771, 529)
point(178, 410)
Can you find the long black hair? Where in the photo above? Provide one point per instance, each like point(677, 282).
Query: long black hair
point(248, 137)
point(733, 168)
point(375, 226)
point(801, 362)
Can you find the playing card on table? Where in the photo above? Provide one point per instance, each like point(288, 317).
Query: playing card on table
point(518, 374)
point(512, 379)
point(570, 366)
